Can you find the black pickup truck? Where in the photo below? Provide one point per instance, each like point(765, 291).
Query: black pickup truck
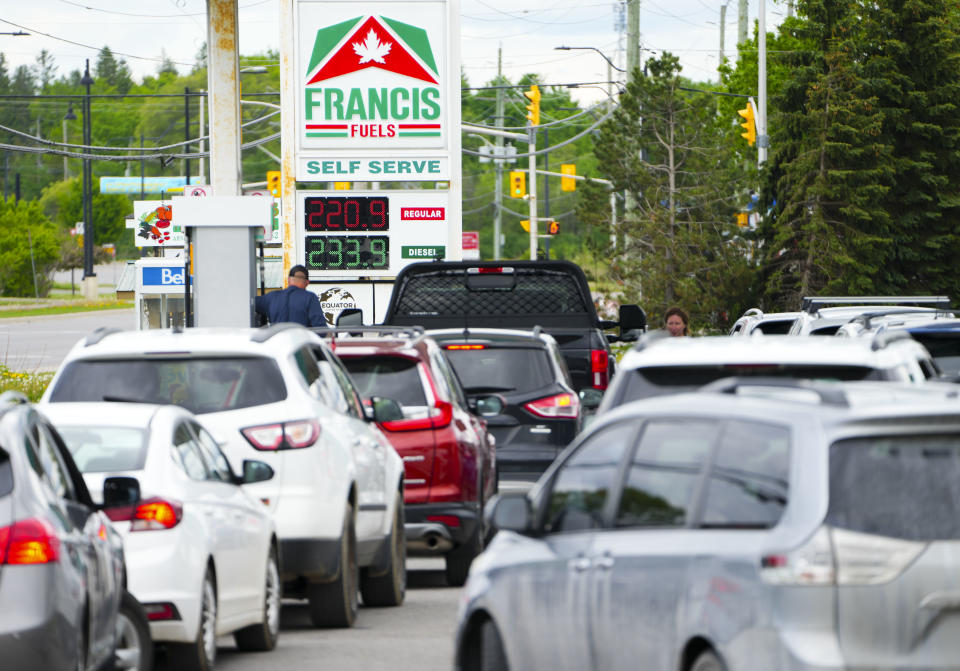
point(553, 295)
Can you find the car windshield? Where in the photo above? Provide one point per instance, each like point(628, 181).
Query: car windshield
point(102, 449)
point(199, 384)
point(658, 380)
point(388, 377)
point(502, 369)
point(899, 486)
point(944, 348)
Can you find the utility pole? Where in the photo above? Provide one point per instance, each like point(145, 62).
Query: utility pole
point(633, 67)
point(186, 130)
point(762, 141)
point(203, 116)
point(498, 161)
point(789, 9)
point(546, 188)
point(90, 288)
point(743, 19)
point(723, 30)
point(532, 192)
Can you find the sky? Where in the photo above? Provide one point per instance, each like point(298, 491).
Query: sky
point(527, 31)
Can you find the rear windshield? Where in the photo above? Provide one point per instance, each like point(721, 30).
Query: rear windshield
point(775, 327)
point(944, 348)
point(199, 384)
point(388, 377)
point(101, 449)
point(6, 474)
point(901, 486)
point(502, 369)
point(658, 380)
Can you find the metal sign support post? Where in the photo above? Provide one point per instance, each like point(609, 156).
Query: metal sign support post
point(532, 193)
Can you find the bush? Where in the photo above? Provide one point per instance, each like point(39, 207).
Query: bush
point(28, 245)
point(32, 385)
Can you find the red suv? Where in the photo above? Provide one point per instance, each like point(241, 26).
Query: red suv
point(448, 455)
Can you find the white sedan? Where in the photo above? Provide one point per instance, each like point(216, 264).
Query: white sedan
point(201, 553)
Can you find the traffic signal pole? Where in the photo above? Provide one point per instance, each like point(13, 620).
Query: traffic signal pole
point(532, 193)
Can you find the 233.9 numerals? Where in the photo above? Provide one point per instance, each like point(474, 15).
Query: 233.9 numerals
point(347, 252)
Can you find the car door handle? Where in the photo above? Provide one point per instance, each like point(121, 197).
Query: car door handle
point(580, 564)
point(604, 561)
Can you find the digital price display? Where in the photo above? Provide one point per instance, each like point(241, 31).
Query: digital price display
point(347, 252)
point(343, 214)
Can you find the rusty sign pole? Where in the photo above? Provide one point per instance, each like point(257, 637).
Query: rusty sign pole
point(288, 137)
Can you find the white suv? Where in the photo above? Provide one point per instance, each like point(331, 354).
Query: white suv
point(280, 395)
point(662, 365)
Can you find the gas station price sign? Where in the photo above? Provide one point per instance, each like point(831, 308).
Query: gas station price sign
point(373, 233)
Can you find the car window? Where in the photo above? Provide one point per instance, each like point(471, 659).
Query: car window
point(188, 452)
point(354, 404)
point(774, 327)
point(904, 487)
point(306, 365)
point(53, 470)
point(100, 449)
point(450, 381)
point(388, 377)
point(502, 369)
point(748, 483)
point(662, 479)
point(216, 461)
point(944, 348)
point(199, 384)
point(6, 473)
point(583, 484)
point(329, 390)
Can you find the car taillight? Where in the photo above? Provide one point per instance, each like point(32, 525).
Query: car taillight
point(555, 407)
point(32, 541)
point(161, 611)
point(599, 368)
point(283, 435)
point(461, 347)
point(156, 514)
point(441, 414)
point(841, 557)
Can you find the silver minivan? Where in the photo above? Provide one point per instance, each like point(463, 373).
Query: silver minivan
point(758, 524)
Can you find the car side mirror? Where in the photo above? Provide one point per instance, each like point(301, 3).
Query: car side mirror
point(350, 317)
point(633, 322)
point(255, 471)
point(590, 399)
point(383, 410)
point(510, 512)
point(119, 492)
point(486, 406)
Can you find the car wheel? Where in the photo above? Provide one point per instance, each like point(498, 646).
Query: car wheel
point(199, 655)
point(134, 645)
point(389, 588)
point(492, 656)
point(707, 661)
point(263, 636)
point(334, 604)
point(82, 642)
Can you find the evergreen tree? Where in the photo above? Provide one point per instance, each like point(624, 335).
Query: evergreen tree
point(44, 70)
point(111, 72)
point(912, 53)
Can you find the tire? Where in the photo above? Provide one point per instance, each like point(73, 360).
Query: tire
point(492, 655)
point(334, 604)
point(707, 661)
point(460, 558)
point(201, 654)
point(389, 588)
point(263, 636)
point(134, 645)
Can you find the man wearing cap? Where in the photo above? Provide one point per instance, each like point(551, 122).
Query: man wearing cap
point(293, 304)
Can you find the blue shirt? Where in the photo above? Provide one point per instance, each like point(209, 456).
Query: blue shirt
point(293, 304)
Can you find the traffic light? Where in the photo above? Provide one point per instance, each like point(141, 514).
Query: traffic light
point(533, 109)
point(750, 124)
point(553, 227)
point(518, 184)
point(273, 182)
point(525, 225)
point(568, 183)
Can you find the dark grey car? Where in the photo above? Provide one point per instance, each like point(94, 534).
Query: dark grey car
point(762, 524)
point(61, 564)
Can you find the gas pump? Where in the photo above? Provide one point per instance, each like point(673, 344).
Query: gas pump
point(159, 296)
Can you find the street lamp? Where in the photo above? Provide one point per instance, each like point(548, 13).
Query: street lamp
point(90, 289)
point(69, 116)
point(566, 48)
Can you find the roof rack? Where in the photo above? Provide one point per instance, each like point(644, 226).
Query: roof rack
point(730, 385)
point(264, 333)
point(99, 335)
point(753, 312)
point(867, 317)
point(375, 330)
point(811, 304)
point(884, 338)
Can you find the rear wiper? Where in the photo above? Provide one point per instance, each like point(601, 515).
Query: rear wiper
point(481, 390)
point(123, 399)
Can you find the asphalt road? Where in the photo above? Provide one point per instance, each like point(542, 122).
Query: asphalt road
point(417, 636)
point(36, 344)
